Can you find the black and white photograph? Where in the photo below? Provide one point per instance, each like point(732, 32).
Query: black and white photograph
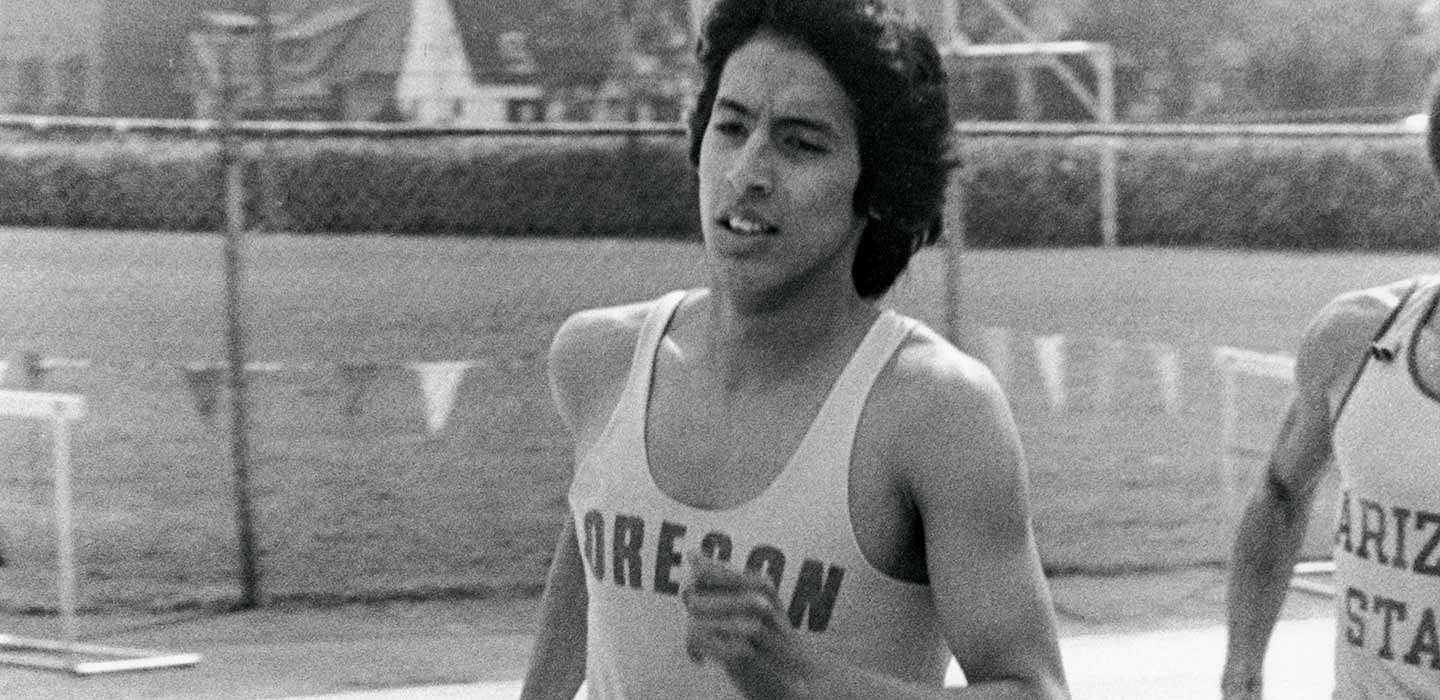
point(719, 349)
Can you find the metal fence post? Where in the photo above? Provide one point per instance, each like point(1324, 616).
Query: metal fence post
point(265, 66)
point(235, 359)
point(233, 163)
point(954, 242)
point(1109, 175)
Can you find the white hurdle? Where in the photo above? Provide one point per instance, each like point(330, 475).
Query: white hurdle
point(1232, 363)
point(68, 653)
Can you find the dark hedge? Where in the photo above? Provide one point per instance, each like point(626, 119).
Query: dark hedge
point(1312, 193)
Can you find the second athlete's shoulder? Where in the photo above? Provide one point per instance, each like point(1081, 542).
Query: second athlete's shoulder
point(1339, 335)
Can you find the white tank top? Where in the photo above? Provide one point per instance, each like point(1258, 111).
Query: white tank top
point(1387, 537)
point(798, 531)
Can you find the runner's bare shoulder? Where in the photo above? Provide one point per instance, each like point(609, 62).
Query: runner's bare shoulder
point(1339, 336)
point(938, 401)
point(590, 358)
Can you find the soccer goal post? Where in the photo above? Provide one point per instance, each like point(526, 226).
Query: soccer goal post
point(68, 653)
point(1233, 364)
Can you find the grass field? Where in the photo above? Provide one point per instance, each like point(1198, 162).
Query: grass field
point(365, 504)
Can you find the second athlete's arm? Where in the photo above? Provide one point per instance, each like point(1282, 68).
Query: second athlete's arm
point(1272, 526)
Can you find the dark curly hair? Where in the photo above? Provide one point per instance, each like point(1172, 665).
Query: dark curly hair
point(893, 74)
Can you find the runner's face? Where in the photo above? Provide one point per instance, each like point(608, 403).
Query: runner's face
point(779, 163)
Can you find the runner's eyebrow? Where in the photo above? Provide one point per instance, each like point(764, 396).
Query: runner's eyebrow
point(784, 120)
point(733, 106)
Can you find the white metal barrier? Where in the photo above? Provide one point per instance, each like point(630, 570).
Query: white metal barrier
point(68, 653)
point(1233, 363)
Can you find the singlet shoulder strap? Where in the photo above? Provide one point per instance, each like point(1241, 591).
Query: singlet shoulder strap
point(1391, 334)
point(642, 361)
point(890, 330)
point(842, 407)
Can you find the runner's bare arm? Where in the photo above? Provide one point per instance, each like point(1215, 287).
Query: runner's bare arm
point(969, 483)
point(557, 660)
point(1273, 524)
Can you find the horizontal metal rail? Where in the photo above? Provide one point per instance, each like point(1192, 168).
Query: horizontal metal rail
point(312, 129)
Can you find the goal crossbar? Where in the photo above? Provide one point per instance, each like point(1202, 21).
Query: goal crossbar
point(68, 653)
point(1037, 48)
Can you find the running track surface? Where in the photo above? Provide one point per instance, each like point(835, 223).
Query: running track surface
point(1162, 665)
